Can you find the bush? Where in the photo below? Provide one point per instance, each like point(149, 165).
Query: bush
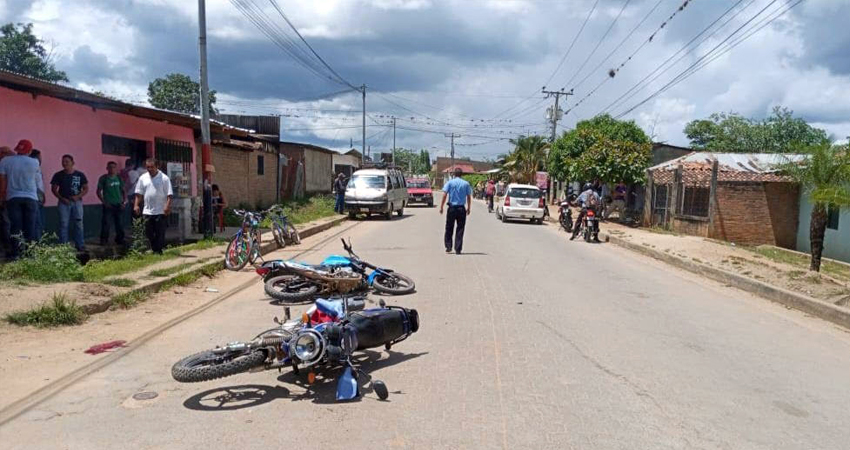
point(45, 261)
point(60, 311)
point(139, 243)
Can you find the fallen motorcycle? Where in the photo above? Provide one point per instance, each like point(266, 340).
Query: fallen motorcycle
point(306, 345)
point(291, 281)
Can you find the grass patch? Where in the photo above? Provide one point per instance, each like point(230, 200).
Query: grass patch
point(120, 282)
point(59, 311)
point(814, 278)
point(661, 230)
point(131, 298)
point(832, 268)
point(44, 261)
point(795, 274)
point(296, 211)
point(97, 271)
point(168, 271)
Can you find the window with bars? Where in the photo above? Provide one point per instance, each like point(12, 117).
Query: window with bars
point(695, 201)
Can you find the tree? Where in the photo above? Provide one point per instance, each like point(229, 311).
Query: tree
point(22, 52)
point(177, 92)
point(601, 148)
point(825, 178)
point(778, 133)
point(528, 156)
point(414, 163)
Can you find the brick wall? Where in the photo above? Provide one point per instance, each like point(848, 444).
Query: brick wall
point(757, 213)
point(262, 187)
point(236, 175)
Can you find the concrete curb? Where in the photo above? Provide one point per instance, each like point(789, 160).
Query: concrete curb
point(818, 308)
point(155, 286)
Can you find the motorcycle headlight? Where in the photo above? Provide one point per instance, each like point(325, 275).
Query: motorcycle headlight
point(307, 346)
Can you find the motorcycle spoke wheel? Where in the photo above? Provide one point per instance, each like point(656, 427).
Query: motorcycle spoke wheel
point(394, 283)
point(210, 365)
point(290, 288)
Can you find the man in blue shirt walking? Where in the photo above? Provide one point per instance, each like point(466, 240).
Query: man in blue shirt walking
point(459, 194)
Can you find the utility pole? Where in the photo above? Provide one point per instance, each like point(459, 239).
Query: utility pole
point(393, 140)
point(363, 90)
point(555, 114)
point(206, 157)
point(453, 136)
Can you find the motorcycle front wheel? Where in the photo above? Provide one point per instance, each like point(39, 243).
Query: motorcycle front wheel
point(208, 365)
point(394, 283)
point(290, 288)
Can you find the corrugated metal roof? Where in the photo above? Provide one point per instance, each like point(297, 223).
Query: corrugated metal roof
point(32, 85)
point(732, 162)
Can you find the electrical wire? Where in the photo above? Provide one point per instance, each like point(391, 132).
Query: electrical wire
point(601, 40)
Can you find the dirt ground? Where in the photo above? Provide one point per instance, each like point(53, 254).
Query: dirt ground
point(740, 260)
point(31, 357)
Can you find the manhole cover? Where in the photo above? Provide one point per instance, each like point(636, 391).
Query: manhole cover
point(145, 396)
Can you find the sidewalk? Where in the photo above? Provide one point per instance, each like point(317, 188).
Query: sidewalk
point(98, 297)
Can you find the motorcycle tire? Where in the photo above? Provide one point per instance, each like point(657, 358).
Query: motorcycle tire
point(394, 283)
point(276, 288)
point(195, 368)
point(587, 234)
point(234, 261)
point(279, 235)
point(290, 230)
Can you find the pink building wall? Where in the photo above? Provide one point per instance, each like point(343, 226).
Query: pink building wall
point(57, 127)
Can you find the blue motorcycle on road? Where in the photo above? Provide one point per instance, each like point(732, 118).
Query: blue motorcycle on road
point(293, 282)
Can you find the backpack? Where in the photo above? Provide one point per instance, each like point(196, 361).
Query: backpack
point(592, 200)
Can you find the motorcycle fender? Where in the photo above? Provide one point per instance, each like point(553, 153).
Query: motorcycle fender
point(347, 387)
point(372, 276)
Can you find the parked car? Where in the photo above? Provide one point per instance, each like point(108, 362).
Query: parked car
point(521, 201)
point(419, 190)
point(376, 191)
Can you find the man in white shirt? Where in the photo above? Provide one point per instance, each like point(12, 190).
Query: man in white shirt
point(154, 188)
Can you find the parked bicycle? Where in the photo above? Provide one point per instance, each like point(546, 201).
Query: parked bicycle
point(282, 230)
point(244, 248)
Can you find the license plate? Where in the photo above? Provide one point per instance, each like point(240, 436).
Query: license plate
point(364, 209)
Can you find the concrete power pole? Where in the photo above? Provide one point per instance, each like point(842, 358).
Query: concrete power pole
point(555, 114)
point(363, 90)
point(452, 136)
point(206, 157)
point(393, 140)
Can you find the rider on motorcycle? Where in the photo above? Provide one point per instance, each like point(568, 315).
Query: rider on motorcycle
point(587, 199)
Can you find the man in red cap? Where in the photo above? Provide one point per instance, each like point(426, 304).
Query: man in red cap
point(19, 175)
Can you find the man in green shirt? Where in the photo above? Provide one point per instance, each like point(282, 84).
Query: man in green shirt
point(110, 191)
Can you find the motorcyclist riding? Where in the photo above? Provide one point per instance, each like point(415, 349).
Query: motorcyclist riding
point(588, 199)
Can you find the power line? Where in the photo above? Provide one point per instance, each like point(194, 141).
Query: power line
point(632, 91)
point(561, 63)
point(711, 53)
point(601, 40)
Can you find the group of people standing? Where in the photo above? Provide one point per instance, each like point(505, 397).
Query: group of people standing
point(22, 198)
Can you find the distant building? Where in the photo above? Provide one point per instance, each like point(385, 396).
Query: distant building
point(347, 162)
point(309, 169)
point(438, 169)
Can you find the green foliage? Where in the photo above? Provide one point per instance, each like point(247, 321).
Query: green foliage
point(781, 132)
point(60, 311)
point(412, 162)
point(528, 157)
point(824, 175)
point(44, 261)
point(298, 211)
point(601, 148)
point(131, 298)
point(177, 92)
point(139, 241)
point(22, 52)
point(474, 178)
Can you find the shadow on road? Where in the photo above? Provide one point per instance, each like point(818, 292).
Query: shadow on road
point(322, 391)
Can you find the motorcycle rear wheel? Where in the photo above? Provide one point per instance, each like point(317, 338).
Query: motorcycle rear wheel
point(206, 365)
point(394, 283)
point(290, 289)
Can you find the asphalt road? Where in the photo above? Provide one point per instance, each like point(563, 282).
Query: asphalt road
point(527, 341)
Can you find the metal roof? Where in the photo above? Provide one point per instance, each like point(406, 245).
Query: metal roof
point(35, 86)
point(760, 163)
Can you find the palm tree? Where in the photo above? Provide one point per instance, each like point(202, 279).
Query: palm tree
point(528, 157)
point(825, 178)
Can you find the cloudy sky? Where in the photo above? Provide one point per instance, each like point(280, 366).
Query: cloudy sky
point(472, 67)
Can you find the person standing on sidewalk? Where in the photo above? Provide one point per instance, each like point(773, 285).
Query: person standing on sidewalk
point(339, 191)
point(458, 192)
point(154, 188)
point(110, 191)
point(19, 191)
point(70, 186)
point(619, 203)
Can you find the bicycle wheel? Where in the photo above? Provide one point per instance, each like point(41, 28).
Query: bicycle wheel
point(289, 230)
point(279, 234)
point(238, 252)
point(256, 246)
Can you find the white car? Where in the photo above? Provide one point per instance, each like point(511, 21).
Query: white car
point(521, 201)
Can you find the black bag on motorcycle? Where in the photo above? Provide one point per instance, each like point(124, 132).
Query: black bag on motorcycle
point(378, 327)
